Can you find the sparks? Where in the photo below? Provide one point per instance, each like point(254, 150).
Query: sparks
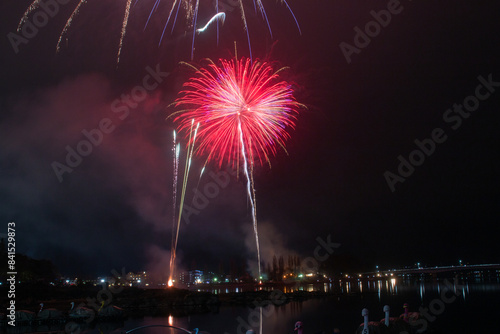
point(176, 224)
point(190, 10)
point(238, 93)
point(244, 110)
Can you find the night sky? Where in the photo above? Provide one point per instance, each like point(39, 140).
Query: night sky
point(364, 111)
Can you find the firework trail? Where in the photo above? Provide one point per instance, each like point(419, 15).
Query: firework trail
point(33, 6)
point(124, 29)
point(219, 16)
point(217, 10)
point(244, 18)
point(194, 27)
point(190, 7)
point(175, 150)
point(244, 110)
point(187, 166)
point(68, 23)
point(251, 196)
point(36, 4)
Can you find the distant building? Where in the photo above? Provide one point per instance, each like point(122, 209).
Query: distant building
point(191, 277)
point(139, 279)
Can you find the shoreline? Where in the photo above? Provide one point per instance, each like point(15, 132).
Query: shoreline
point(137, 302)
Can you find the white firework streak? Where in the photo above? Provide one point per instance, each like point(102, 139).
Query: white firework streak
point(191, 14)
point(34, 5)
point(219, 16)
point(68, 24)
point(251, 194)
point(124, 29)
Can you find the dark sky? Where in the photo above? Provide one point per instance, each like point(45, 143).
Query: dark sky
point(114, 209)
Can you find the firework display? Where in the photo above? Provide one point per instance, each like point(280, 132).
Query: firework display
point(238, 94)
point(244, 111)
point(236, 112)
point(190, 9)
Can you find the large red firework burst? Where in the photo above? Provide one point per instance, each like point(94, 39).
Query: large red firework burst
point(243, 107)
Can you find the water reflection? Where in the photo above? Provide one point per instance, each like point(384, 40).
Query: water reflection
point(341, 310)
point(381, 286)
point(422, 291)
point(393, 286)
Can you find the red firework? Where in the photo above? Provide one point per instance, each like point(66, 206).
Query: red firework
point(237, 103)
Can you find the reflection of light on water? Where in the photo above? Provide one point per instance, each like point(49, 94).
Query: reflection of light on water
point(379, 283)
point(310, 288)
point(422, 291)
point(464, 288)
point(393, 285)
point(170, 320)
point(348, 286)
point(274, 318)
point(360, 286)
point(260, 320)
point(237, 289)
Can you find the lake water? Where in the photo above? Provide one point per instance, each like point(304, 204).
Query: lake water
point(452, 308)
